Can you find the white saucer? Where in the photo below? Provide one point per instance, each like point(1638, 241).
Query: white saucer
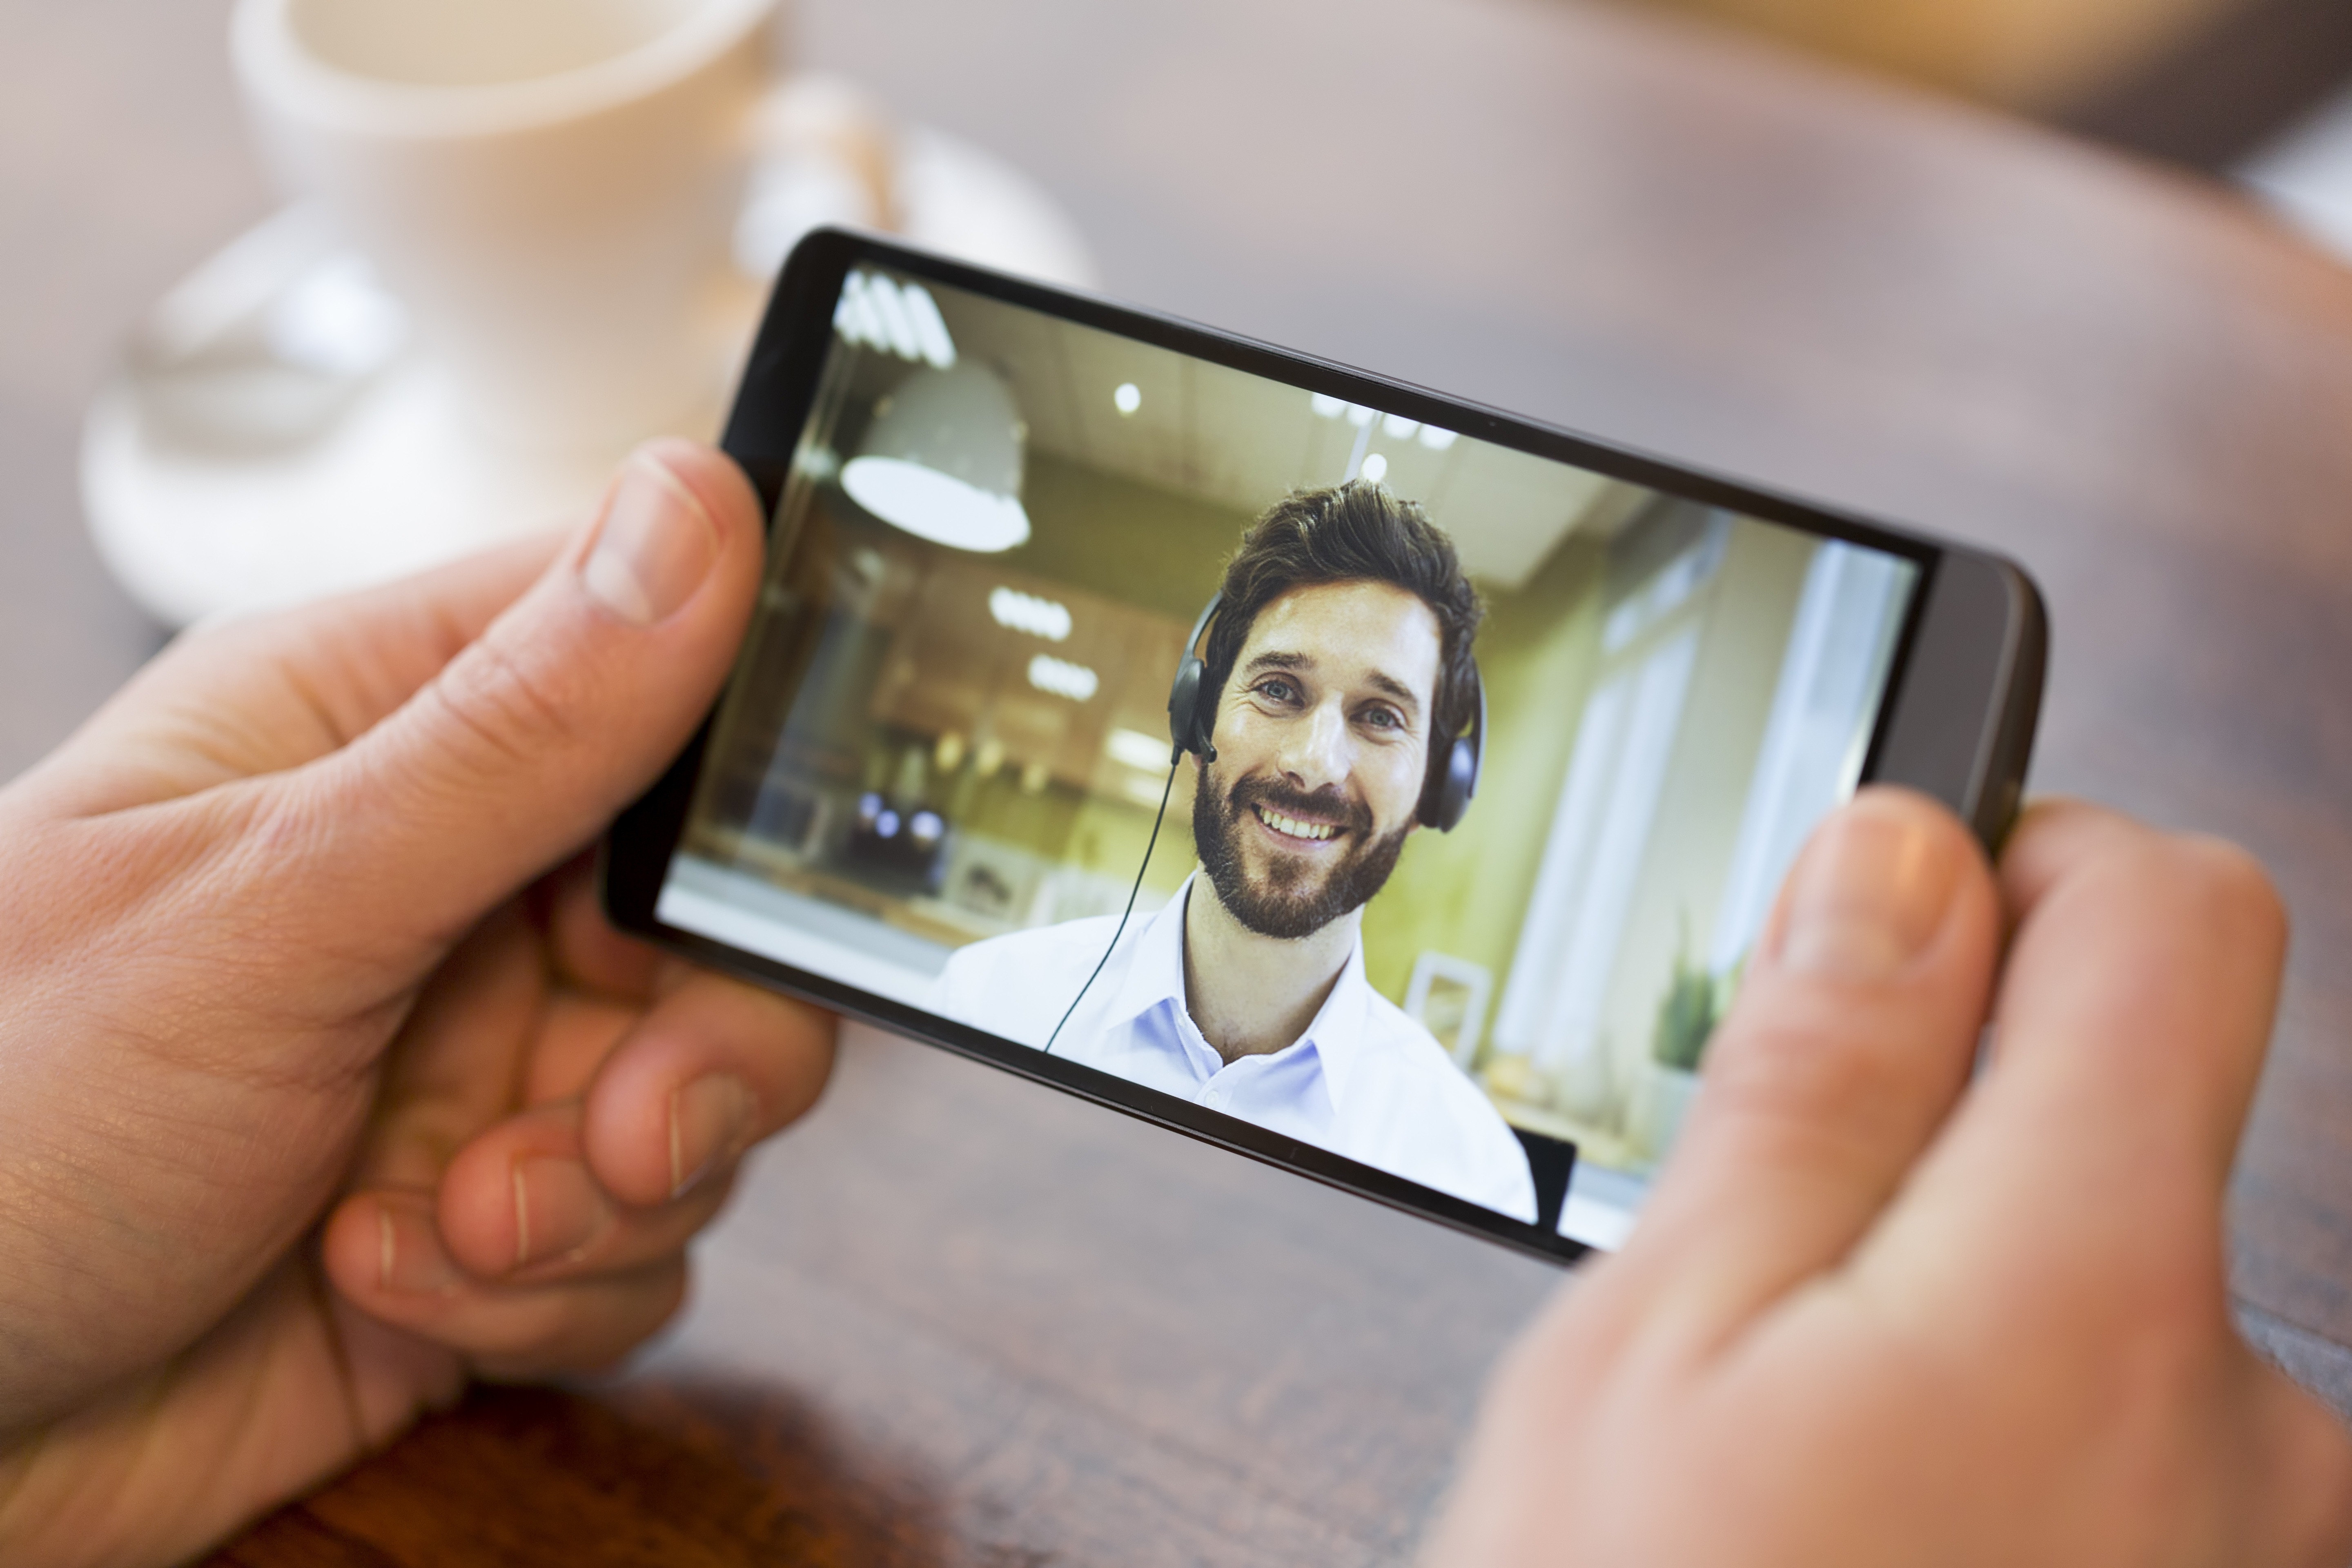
point(271, 439)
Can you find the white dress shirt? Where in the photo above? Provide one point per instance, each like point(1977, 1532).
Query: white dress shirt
point(1364, 1080)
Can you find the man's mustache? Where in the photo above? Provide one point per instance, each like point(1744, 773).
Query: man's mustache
point(1315, 806)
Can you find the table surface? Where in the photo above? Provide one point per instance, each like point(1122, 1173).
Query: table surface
point(956, 1319)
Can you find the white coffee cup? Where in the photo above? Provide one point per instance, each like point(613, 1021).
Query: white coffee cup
point(550, 185)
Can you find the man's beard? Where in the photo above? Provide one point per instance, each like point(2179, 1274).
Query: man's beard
point(1293, 899)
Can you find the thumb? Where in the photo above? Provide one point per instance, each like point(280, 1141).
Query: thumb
point(538, 731)
point(1850, 1043)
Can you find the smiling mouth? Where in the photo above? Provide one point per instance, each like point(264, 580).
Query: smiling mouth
point(1291, 828)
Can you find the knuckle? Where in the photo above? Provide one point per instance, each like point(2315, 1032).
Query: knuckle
point(514, 706)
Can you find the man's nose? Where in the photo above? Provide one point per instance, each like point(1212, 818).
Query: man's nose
point(1316, 751)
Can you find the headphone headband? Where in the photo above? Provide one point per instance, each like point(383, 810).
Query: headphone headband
point(1200, 623)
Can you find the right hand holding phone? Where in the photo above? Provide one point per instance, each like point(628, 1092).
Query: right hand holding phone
point(1882, 1311)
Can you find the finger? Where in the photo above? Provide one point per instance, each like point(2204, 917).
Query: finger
point(519, 1204)
point(585, 949)
point(272, 691)
point(461, 1059)
point(383, 1252)
point(712, 1069)
point(2134, 1004)
point(1851, 1040)
point(2140, 959)
point(571, 1188)
point(2298, 1459)
point(2135, 1008)
point(563, 710)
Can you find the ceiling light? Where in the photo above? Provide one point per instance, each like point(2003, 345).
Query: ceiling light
point(1327, 406)
point(930, 328)
point(1358, 415)
point(1376, 468)
point(1020, 611)
point(1128, 398)
point(853, 318)
point(1436, 440)
point(942, 460)
point(898, 326)
point(1060, 678)
point(1398, 426)
point(1138, 750)
point(897, 318)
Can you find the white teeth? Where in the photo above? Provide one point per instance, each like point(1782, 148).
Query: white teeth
point(1292, 827)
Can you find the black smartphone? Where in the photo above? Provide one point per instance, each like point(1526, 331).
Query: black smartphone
point(1369, 782)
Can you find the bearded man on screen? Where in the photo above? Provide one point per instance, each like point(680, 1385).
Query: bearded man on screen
point(1340, 664)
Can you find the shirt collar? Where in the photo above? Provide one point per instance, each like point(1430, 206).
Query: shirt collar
point(1154, 973)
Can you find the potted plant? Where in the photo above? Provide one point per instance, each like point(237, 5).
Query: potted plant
point(1694, 1003)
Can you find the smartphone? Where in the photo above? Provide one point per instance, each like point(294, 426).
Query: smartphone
point(1369, 782)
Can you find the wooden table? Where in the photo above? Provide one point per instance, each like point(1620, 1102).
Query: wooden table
point(953, 1320)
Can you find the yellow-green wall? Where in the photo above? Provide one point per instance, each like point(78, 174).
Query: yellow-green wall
point(1464, 893)
point(1746, 613)
point(1162, 552)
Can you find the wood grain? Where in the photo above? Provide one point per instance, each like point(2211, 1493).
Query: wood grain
point(960, 1321)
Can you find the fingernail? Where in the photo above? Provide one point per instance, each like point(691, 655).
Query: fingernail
point(709, 1120)
point(410, 1258)
point(653, 548)
point(559, 1209)
point(1869, 894)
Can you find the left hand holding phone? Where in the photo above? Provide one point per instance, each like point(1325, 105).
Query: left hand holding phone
point(329, 1085)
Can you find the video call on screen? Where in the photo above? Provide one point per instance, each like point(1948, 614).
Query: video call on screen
point(937, 769)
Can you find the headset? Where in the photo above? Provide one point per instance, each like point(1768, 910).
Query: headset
point(1445, 792)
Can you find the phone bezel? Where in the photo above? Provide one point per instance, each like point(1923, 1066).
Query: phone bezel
point(1964, 684)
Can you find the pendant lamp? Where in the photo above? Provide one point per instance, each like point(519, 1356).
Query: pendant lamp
point(942, 460)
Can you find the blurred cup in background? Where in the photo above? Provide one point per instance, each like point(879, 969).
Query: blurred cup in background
point(551, 187)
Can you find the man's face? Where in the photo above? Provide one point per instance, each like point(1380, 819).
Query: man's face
point(1322, 743)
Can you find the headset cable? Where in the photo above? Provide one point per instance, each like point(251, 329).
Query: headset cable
point(1165, 792)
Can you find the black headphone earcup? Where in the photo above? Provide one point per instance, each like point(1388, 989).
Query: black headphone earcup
point(1449, 797)
point(1187, 725)
point(1184, 706)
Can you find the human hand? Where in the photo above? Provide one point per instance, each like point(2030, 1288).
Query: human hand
point(328, 1085)
point(1877, 1314)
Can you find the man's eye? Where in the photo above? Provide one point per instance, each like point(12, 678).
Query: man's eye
point(1383, 719)
point(1278, 690)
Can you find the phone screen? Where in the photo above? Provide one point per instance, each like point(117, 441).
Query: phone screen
point(943, 771)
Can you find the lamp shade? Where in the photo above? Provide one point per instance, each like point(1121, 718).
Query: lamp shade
point(942, 460)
